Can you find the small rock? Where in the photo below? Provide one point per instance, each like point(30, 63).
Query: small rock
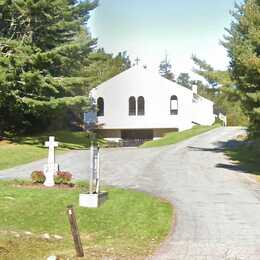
point(28, 233)
point(52, 257)
point(46, 236)
point(57, 237)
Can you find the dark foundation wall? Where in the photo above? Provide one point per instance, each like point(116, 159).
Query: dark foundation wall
point(134, 134)
point(144, 134)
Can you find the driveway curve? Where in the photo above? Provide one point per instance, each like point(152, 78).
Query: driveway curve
point(217, 205)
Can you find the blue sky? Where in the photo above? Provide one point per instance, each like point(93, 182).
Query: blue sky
point(148, 29)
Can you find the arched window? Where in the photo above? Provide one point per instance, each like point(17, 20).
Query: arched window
point(132, 106)
point(100, 106)
point(141, 106)
point(174, 105)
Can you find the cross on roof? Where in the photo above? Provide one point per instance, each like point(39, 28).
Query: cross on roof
point(137, 60)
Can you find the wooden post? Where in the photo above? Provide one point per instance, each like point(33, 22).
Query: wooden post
point(75, 231)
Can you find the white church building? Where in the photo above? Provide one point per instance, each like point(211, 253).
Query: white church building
point(139, 104)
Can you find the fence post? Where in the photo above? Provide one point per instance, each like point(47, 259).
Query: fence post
point(75, 231)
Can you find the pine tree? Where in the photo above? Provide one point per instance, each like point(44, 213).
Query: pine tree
point(43, 46)
point(221, 89)
point(243, 45)
point(103, 66)
point(184, 80)
point(165, 69)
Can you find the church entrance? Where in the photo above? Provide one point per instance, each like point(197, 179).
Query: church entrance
point(137, 134)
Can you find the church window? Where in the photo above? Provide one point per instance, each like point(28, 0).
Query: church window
point(132, 106)
point(100, 106)
point(174, 105)
point(141, 106)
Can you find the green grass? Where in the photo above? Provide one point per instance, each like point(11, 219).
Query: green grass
point(175, 137)
point(128, 225)
point(246, 154)
point(21, 150)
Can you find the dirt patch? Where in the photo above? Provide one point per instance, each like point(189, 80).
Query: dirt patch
point(5, 142)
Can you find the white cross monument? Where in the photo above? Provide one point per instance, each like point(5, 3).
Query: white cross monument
point(51, 168)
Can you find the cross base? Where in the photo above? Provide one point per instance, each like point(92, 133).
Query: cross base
point(88, 200)
point(49, 172)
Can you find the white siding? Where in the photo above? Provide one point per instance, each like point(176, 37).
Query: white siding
point(157, 93)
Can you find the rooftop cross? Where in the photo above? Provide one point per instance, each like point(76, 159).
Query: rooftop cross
point(137, 60)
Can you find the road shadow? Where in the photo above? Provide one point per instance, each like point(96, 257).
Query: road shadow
point(232, 166)
point(219, 147)
point(244, 155)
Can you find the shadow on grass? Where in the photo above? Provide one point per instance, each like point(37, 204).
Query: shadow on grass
point(68, 140)
point(244, 155)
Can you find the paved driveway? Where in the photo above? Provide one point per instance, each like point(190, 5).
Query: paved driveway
point(218, 207)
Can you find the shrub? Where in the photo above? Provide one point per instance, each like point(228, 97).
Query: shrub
point(38, 177)
point(63, 177)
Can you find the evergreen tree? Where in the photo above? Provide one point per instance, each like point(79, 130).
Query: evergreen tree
point(184, 80)
point(43, 46)
point(165, 69)
point(103, 66)
point(221, 89)
point(243, 45)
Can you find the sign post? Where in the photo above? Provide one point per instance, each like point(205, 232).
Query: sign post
point(94, 197)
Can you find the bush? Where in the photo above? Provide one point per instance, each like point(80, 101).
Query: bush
point(63, 177)
point(38, 177)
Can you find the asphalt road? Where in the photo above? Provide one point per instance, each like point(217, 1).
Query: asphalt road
point(217, 205)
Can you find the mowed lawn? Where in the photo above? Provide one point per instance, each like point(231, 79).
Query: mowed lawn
point(129, 225)
point(175, 137)
point(21, 150)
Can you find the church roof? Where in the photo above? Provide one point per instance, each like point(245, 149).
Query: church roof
point(144, 77)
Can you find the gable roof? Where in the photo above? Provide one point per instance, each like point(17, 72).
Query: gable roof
point(141, 74)
point(149, 79)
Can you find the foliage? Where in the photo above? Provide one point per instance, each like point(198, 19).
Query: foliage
point(103, 66)
point(242, 44)
point(38, 177)
point(165, 69)
point(43, 45)
point(246, 155)
point(121, 228)
point(48, 64)
point(63, 177)
point(221, 89)
point(175, 137)
point(185, 80)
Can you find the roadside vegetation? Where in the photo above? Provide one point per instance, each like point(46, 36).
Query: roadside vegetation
point(175, 137)
point(122, 227)
point(20, 150)
point(246, 155)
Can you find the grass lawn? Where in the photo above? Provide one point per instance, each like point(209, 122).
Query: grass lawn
point(128, 225)
point(21, 150)
point(175, 137)
point(247, 155)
